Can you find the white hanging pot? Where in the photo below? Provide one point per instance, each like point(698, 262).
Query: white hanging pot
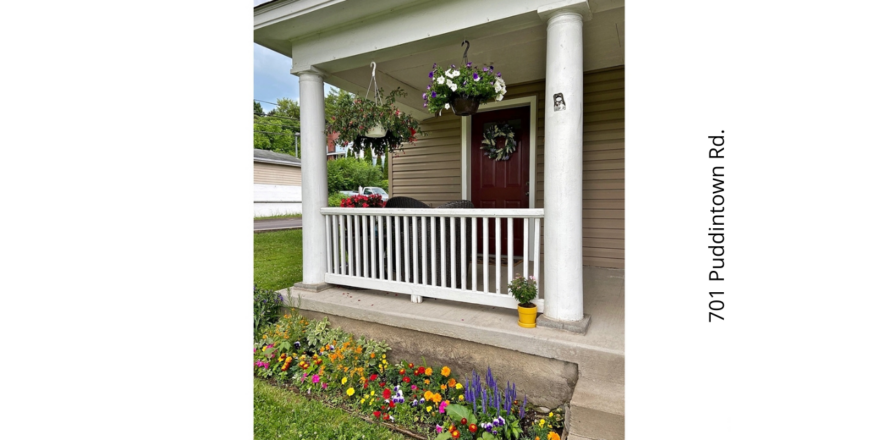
point(377, 131)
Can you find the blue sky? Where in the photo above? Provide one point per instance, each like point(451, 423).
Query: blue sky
point(272, 78)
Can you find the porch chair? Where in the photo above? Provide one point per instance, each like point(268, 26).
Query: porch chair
point(459, 265)
point(414, 226)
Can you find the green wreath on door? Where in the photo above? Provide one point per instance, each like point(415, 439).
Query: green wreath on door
point(489, 146)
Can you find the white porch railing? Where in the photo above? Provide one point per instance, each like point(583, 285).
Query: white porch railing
point(433, 252)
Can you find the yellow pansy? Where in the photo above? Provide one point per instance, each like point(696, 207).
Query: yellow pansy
point(350, 392)
point(344, 380)
point(458, 386)
point(550, 415)
point(429, 409)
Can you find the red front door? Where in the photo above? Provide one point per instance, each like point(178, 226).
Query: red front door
point(503, 183)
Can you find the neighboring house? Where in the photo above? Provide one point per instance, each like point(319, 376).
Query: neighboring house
point(334, 151)
point(277, 184)
point(562, 191)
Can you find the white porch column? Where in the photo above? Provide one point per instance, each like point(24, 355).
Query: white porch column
point(314, 179)
point(563, 161)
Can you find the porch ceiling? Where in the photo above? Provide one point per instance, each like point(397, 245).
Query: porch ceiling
point(514, 44)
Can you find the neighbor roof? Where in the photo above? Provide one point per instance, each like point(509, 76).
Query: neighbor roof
point(266, 156)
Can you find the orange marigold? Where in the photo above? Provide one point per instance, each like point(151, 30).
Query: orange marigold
point(552, 436)
point(452, 382)
point(445, 371)
point(428, 371)
point(437, 398)
point(429, 395)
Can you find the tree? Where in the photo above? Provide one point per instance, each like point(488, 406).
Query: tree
point(334, 100)
point(275, 130)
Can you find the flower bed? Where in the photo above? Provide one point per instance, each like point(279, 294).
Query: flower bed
point(355, 374)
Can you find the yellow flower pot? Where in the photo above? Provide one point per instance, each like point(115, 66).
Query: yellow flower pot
point(527, 315)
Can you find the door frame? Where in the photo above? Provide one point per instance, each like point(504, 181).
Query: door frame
point(467, 121)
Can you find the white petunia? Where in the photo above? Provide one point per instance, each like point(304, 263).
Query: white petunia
point(499, 97)
point(449, 73)
point(453, 86)
point(441, 80)
point(456, 73)
point(446, 106)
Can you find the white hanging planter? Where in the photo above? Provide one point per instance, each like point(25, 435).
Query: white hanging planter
point(377, 131)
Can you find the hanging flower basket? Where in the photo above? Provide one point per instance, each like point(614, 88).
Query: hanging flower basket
point(463, 89)
point(464, 105)
point(373, 121)
point(378, 131)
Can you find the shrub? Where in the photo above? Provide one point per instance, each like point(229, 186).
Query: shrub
point(360, 201)
point(524, 290)
point(335, 200)
point(267, 304)
point(347, 174)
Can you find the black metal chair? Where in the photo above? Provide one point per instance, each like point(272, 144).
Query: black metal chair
point(414, 227)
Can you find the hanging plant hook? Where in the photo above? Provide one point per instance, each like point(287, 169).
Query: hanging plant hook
point(464, 57)
point(373, 83)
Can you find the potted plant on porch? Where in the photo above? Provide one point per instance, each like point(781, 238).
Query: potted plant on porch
point(525, 290)
point(463, 89)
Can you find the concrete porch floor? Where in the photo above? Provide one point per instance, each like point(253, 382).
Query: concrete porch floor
point(597, 404)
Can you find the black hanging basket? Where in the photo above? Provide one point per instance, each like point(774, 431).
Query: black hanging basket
point(464, 106)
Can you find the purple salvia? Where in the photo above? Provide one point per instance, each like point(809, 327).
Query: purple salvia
point(522, 408)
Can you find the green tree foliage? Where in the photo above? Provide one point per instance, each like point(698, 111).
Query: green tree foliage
point(334, 100)
point(347, 174)
point(275, 130)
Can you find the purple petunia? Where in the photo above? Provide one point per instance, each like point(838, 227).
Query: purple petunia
point(485, 69)
point(469, 64)
point(425, 105)
point(431, 74)
point(435, 66)
point(491, 67)
point(498, 74)
point(433, 94)
point(424, 96)
point(476, 77)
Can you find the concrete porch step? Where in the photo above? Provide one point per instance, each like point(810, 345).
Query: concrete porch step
point(596, 411)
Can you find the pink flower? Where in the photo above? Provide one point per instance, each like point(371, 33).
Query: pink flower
point(316, 378)
point(439, 429)
point(323, 385)
point(414, 387)
point(443, 407)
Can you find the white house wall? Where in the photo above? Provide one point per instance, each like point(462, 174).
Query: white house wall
point(277, 199)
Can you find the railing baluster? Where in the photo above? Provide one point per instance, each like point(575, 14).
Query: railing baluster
point(526, 248)
point(442, 252)
point(365, 249)
point(348, 248)
point(486, 254)
point(509, 253)
point(453, 274)
point(335, 222)
point(414, 221)
point(463, 223)
point(537, 254)
point(329, 240)
point(474, 254)
point(357, 245)
point(424, 253)
point(397, 271)
point(433, 251)
point(498, 255)
point(372, 228)
point(406, 250)
point(341, 245)
point(382, 247)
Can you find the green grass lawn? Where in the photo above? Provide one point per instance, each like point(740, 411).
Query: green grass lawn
point(277, 217)
point(281, 414)
point(278, 259)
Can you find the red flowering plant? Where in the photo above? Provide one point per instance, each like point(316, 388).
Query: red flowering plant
point(355, 116)
point(359, 201)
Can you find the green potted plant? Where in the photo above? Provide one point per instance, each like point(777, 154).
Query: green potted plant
point(463, 89)
point(525, 290)
point(374, 123)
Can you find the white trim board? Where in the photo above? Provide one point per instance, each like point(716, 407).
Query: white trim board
point(466, 122)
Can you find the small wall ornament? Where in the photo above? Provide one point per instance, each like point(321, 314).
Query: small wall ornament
point(490, 142)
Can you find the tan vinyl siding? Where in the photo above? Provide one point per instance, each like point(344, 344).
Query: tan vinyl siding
point(430, 170)
point(272, 174)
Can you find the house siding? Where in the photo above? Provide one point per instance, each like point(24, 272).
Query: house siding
point(431, 172)
point(272, 174)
